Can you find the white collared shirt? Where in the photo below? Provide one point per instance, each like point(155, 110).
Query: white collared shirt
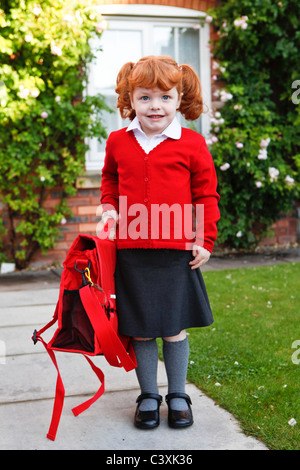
point(173, 131)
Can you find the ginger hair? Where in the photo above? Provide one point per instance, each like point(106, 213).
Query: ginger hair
point(164, 73)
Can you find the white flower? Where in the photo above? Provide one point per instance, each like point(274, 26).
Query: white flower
point(63, 221)
point(225, 166)
point(239, 234)
point(262, 154)
point(208, 19)
point(28, 37)
point(42, 178)
point(35, 92)
point(37, 10)
point(214, 139)
point(225, 96)
point(292, 422)
point(57, 99)
point(237, 23)
point(241, 22)
point(273, 173)
point(55, 49)
point(239, 145)
point(102, 26)
point(44, 115)
point(289, 180)
point(258, 184)
point(238, 107)
point(68, 18)
point(78, 17)
point(24, 92)
point(265, 142)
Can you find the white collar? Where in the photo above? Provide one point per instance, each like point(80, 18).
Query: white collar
point(173, 130)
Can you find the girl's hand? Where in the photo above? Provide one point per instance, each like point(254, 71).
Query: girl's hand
point(201, 256)
point(111, 214)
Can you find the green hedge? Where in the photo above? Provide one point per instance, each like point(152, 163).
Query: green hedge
point(255, 137)
point(44, 117)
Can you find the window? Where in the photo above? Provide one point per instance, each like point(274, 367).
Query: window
point(130, 38)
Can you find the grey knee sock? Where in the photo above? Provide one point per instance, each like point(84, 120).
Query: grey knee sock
point(146, 353)
point(176, 356)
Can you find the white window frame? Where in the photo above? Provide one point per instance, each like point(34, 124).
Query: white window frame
point(126, 17)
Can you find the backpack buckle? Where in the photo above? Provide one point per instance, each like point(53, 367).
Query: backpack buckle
point(34, 337)
point(83, 272)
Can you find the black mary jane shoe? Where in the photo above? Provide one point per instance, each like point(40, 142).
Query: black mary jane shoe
point(179, 419)
point(147, 419)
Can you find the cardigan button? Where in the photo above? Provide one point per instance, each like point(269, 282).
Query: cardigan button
point(146, 179)
point(145, 200)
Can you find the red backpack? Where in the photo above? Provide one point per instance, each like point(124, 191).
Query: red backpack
point(86, 315)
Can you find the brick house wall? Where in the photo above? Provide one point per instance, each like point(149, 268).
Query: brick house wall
point(87, 199)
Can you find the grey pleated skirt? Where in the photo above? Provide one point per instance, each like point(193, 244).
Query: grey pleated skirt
point(158, 294)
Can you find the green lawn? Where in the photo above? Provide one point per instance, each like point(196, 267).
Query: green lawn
point(249, 350)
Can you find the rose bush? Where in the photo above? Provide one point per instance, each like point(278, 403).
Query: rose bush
point(44, 116)
point(255, 136)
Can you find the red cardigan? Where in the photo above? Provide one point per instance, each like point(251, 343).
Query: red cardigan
point(154, 193)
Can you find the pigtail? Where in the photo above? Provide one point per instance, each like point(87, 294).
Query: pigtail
point(123, 91)
point(191, 105)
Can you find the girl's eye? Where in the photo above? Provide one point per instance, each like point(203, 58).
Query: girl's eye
point(144, 98)
point(166, 97)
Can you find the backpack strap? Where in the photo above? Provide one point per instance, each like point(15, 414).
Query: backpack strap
point(80, 408)
point(60, 390)
point(111, 345)
point(59, 393)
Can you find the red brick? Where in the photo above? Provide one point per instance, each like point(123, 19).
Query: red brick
point(88, 210)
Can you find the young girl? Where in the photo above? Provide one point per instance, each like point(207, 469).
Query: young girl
point(154, 173)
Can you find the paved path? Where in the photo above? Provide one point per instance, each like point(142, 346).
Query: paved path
point(28, 378)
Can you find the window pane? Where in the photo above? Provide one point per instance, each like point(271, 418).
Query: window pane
point(118, 47)
point(181, 43)
point(164, 41)
point(188, 41)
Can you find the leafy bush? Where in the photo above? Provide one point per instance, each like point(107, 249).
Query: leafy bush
point(44, 117)
point(255, 135)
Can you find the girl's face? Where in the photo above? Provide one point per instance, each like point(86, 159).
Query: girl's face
point(155, 108)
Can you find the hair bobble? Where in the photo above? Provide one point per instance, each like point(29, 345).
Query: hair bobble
point(179, 66)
